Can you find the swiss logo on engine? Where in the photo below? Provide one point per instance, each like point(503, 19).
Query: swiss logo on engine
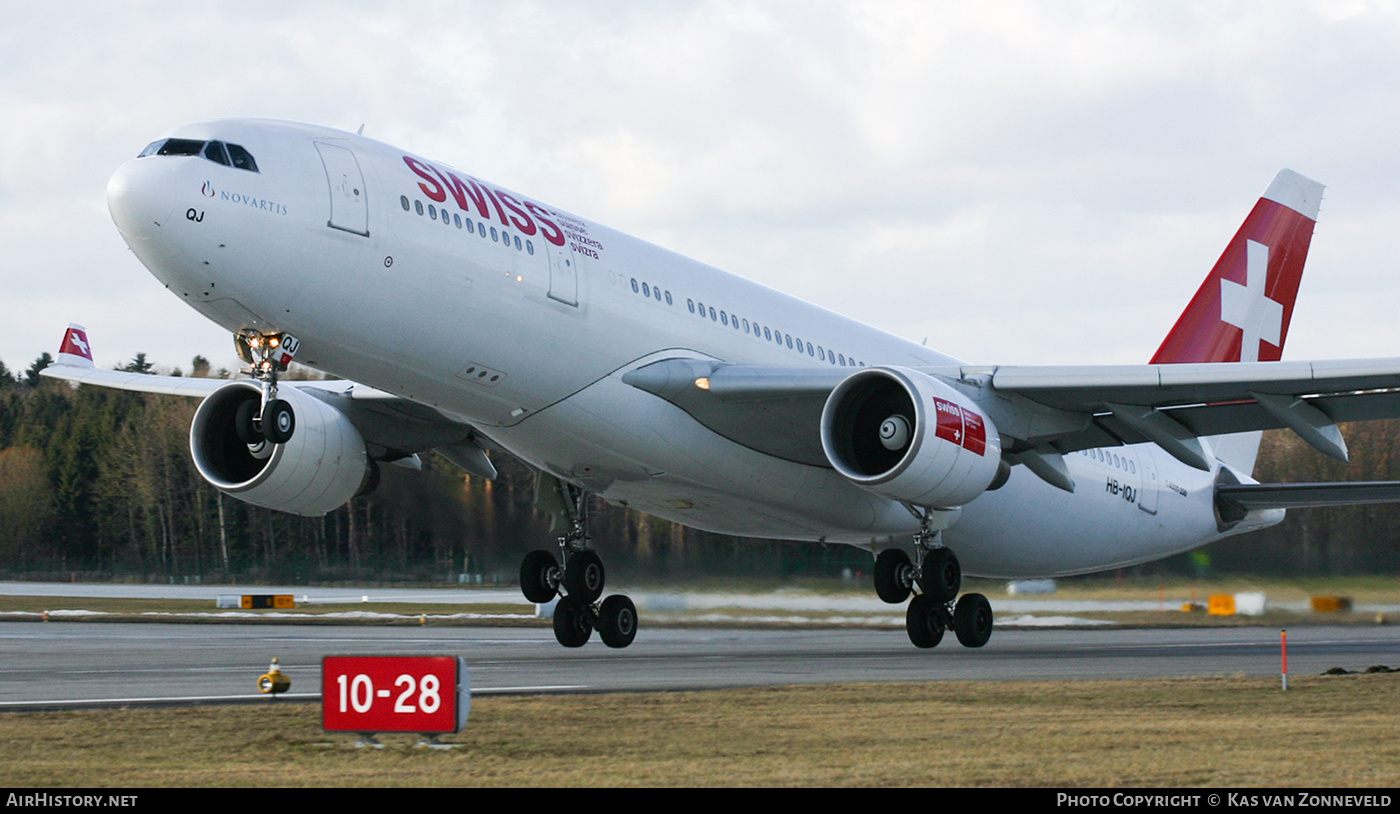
point(961, 426)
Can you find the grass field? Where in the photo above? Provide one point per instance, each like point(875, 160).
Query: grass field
point(1324, 732)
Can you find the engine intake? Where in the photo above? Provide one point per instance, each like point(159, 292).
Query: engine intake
point(910, 437)
point(322, 466)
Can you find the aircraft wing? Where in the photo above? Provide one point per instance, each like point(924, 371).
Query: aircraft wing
point(195, 387)
point(1173, 404)
point(1043, 412)
point(393, 428)
point(139, 382)
point(774, 410)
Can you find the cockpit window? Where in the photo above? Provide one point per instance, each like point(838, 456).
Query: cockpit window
point(229, 155)
point(242, 159)
point(180, 146)
point(214, 151)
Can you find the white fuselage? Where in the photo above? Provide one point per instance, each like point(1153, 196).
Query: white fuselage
point(521, 320)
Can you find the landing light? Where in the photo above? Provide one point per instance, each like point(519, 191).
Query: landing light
point(703, 382)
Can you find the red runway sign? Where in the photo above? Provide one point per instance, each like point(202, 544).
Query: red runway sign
point(427, 694)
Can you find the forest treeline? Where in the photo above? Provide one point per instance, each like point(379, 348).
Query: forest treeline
point(97, 482)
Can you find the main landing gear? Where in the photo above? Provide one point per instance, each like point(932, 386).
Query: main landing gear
point(269, 419)
point(578, 612)
point(938, 577)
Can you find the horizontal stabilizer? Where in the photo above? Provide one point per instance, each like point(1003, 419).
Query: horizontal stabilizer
point(1254, 496)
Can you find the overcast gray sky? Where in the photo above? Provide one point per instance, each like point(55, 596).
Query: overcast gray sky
point(1019, 182)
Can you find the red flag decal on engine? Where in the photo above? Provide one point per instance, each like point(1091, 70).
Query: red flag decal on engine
point(961, 426)
point(950, 422)
point(974, 432)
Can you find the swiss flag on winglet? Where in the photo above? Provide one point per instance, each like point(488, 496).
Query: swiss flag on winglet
point(75, 350)
point(1242, 310)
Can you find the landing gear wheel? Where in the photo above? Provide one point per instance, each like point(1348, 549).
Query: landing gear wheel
point(617, 621)
point(539, 576)
point(278, 421)
point(972, 620)
point(942, 575)
point(893, 575)
point(573, 621)
point(583, 575)
point(923, 622)
point(245, 423)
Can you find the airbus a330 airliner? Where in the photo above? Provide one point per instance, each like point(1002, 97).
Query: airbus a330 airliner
point(464, 317)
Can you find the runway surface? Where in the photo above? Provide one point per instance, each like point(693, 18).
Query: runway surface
point(55, 663)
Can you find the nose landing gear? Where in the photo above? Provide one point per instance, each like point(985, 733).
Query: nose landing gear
point(269, 419)
point(581, 581)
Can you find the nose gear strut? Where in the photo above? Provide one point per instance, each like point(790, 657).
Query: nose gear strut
point(267, 355)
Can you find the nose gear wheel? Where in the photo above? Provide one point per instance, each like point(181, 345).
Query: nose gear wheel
point(271, 418)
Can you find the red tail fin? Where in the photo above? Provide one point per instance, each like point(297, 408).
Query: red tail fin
point(74, 350)
point(1242, 310)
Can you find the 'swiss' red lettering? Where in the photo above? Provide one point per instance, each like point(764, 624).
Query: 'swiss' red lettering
point(949, 425)
point(464, 191)
point(551, 232)
point(491, 193)
point(527, 226)
point(437, 185)
point(423, 171)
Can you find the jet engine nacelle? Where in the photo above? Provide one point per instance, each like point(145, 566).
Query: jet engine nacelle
point(910, 437)
point(323, 465)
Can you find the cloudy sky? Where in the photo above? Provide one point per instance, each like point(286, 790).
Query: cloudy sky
point(1019, 182)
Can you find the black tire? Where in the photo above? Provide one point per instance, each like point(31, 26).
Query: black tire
point(539, 575)
point(942, 575)
point(617, 621)
point(573, 621)
point(892, 576)
point(972, 620)
point(245, 425)
point(278, 421)
point(583, 575)
point(922, 623)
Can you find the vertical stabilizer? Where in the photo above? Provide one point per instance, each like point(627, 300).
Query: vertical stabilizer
point(74, 350)
point(1242, 310)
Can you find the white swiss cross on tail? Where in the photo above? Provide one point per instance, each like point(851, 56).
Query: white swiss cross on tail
point(74, 351)
point(1241, 311)
point(1246, 307)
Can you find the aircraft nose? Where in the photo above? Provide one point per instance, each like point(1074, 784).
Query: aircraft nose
point(139, 198)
